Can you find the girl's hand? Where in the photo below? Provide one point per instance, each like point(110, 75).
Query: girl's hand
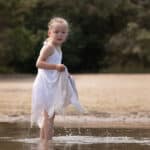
point(69, 75)
point(60, 67)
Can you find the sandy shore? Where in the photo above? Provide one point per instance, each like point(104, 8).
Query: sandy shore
point(111, 100)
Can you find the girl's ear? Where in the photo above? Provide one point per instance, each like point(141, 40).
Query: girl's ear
point(48, 33)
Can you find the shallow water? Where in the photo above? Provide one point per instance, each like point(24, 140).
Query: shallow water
point(19, 136)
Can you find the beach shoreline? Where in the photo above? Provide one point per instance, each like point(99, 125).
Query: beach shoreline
point(88, 121)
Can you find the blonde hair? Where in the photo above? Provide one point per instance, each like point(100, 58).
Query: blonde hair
point(57, 20)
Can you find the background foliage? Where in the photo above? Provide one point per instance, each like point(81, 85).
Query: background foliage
point(105, 36)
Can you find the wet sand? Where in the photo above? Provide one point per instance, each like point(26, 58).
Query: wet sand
point(111, 100)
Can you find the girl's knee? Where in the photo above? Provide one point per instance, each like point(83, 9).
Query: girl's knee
point(45, 114)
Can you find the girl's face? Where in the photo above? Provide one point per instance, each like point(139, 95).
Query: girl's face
point(58, 33)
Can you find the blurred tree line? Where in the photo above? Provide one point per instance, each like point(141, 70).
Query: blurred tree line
point(105, 35)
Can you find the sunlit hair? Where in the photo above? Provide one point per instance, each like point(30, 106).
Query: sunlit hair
point(57, 20)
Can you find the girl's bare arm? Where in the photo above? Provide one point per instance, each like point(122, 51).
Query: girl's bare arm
point(44, 54)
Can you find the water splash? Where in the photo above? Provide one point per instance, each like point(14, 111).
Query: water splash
point(87, 140)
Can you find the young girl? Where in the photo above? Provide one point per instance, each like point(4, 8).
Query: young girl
point(47, 91)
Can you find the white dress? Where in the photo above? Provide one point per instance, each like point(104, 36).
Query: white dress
point(50, 89)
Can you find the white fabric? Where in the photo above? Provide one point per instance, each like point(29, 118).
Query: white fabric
point(53, 91)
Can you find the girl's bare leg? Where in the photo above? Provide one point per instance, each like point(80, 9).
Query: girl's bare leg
point(46, 131)
point(51, 127)
point(41, 133)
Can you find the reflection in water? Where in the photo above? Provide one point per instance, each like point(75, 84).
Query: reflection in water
point(45, 145)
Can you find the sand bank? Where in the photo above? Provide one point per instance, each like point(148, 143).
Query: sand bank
point(111, 100)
